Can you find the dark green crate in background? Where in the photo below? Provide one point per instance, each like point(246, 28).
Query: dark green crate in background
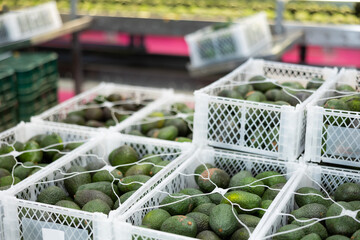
point(8, 101)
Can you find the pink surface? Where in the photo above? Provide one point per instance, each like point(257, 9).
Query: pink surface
point(166, 45)
point(65, 95)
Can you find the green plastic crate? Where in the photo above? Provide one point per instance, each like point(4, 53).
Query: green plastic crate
point(7, 85)
point(8, 115)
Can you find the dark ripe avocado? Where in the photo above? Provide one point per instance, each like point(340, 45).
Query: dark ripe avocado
point(107, 113)
point(9, 180)
point(314, 83)
point(255, 96)
point(230, 94)
point(115, 97)
point(177, 204)
point(51, 195)
point(243, 89)
point(243, 199)
point(223, 221)
point(32, 156)
point(217, 176)
point(302, 95)
point(180, 124)
point(94, 123)
point(261, 86)
point(181, 225)
point(123, 155)
point(201, 168)
point(94, 114)
point(347, 192)
point(343, 225)
point(294, 234)
point(208, 235)
point(80, 177)
point(155, 218)
point(97, 205)
point(75, 119)
point(272, 94)
point(241, 234)
point(84, 196)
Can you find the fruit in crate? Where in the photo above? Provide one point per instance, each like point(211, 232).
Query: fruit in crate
point(209, 217)
point(174, 124)
point(34, 154)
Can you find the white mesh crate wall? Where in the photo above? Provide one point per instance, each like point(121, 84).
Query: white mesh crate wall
point(230, 123)
point(333, 135)
point(138, 94)
point(26, 218)
point(126, 226)
point(325, 179)
point(245, 37)
point(164, 106)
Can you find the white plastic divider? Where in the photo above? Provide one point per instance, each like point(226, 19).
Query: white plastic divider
point(26, 219)
point(54, 115)
point(228, 123)
point(333, 135)
point(242, 38)
point(164, 105)
point(325, 179)
point(126, 225)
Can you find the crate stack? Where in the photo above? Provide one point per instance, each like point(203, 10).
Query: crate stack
point(36, 82)
point(8, 101)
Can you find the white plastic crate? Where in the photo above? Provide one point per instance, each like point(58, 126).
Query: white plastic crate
point(242, 39)
point(325, 179)
point(27, 219)
point(333, 135)
point(229, 123)
point(126, 225)
point(165, 105)
point(137, 94)
point(29, 22)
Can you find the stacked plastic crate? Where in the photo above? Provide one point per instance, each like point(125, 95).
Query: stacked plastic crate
point(8, 101)
point(36, 82)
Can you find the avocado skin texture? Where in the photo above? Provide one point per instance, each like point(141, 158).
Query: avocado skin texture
point(201, 168)
point(356, 235)
point(312, 210)
point(223, 221)
point(338, 237)
point(106, 187)
point(181, 225)
point(241, 234)
point(347, 192)
point(51, 195)
point(198, 200)
point(155, 218)
point(178, 204)
point(295, 235)
point(123, 155)
point(302, 200)
point(201, 220)
point(97, 205)
point(132, 183)
point(73, 183)
point(218, 177)
point(204, 208)
point(208, 235)
point(270, 178)
point(246, 200)
point(317, 228)
point(84, 196)
point(312, 236)
point(249, 220)
point(344, 225)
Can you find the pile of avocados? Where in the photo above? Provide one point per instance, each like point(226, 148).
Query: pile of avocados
point(95, 115)
point(94, 189)
point(197, 212)
point(163, 124)
point(15, 169)
point(313, 207)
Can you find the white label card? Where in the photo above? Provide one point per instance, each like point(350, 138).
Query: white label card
point(52, 234)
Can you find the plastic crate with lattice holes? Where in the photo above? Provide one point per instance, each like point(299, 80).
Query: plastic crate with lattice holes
point(177, 107)
point(322, 178)
point(127, 225)
point(26, 218)
point(333, 134)
point(235, 40)
point(258, 127)
point(119, 110)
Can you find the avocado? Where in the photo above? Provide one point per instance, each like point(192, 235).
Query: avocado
point(94, 114)
point(69, 220)
point(84, 196)
point(139, 169)
point(308, 196)
point(159, 166)
point(238, 176)
point(336, 104)
point(201, 220)
point(345, 88)
point(227, 93)
point(154, 120)
point(74, 119)
point(168, 133)
point(155, 218)
point(249, 184)
point(100, 99)
point(315, 83)
point(311, 227)
point(106, 187)
point(51, 195)
point(68, 204)
point(204, 208)
point(201, 168)
point(207, 235)
point(80, 113)
point(272, 94)
point(72, 146)
point(132, 183)
point(38, 138)
point(180, 124)
point(338, 237)
point(123, 155)
point(265, 204)
point(356, 235)
point(354, 105)
point(110, 123)
point(177, 204)
point(182, 139)
point(4, 173)
point(198, 200)
point(7, 162)
point(270, 178)
point(94, 124)
point(153, 133)
point(292, 85)
point(273, 191)
point(217, 176)
point(136, 133)
point(243, 89)
point(79, 177)
point(179, 107)
point(114, 97)
point(59, 155)
point(123, 198)
point(285, 95)
point(255, 96)
point(19, 146)
point(312, 210)
point(24, 170)
point(51, 141)
point(181, 225)
point(344, 225)
point(347, 192)
point(223, 221)
point(151, 158)
point(261, 86)
point(241, 234)
point(105, 175)
point(9, 181)
point(215, 198)
point(97, 205)
point(311, 236)
point(249, 220)
point(295, 234)
point(355, 204)
point(243, 199)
